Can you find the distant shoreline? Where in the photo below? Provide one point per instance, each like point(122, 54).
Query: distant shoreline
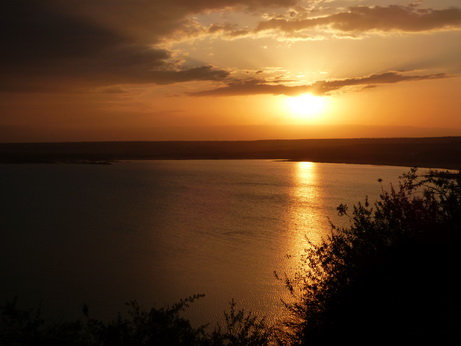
point(427, 152)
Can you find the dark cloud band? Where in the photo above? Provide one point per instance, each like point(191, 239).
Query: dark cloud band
point(409, 18)
point(254, 87)
point(44, 46)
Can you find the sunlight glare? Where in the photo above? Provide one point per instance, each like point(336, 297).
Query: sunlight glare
point(306, 220)
point(306, 105)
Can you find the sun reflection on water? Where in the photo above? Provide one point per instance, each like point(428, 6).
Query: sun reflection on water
point(307, 219)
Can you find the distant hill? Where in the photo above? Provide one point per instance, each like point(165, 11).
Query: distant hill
point(435, 152)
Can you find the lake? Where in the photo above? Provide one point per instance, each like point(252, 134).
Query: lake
point(159, 231)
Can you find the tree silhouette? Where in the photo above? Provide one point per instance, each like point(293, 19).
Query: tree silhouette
point(141, 327)
point(391, 275)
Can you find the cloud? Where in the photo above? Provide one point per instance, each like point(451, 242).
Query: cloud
point(151, 20)
point(85, 44)
point(229, 30)
point(360, 19)
point(48, 46)
point(324, 87)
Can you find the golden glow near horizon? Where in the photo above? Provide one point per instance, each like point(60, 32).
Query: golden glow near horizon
point(306, 106)
point(167, 70)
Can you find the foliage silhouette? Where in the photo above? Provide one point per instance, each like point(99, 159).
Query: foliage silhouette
point(243, 329)
point(156, 326)
point(391, 275)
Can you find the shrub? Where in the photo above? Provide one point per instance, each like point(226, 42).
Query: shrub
point(141, 327)
point(156, 326)
point(391, 275)
point(243, 329)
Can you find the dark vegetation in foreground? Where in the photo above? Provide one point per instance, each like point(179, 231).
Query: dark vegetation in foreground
point(390, 277)
point(431, 152)
point(155, 326)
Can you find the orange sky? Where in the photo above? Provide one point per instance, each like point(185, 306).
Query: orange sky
point(90, 70)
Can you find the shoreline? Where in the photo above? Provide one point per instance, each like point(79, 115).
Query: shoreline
point(109, 163)
point(429, 152)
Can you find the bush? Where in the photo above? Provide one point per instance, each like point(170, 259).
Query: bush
point(391, 275)
point(243, 329)
point(156, 326)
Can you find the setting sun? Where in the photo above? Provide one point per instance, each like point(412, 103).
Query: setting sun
point(306, 105)
point(229, 70)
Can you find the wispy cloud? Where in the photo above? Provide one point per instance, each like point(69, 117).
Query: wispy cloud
point(362, 19)
point(323, 87)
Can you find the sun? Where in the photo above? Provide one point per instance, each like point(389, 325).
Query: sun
point(306, 105)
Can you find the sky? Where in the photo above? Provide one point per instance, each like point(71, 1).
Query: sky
point(103, 70)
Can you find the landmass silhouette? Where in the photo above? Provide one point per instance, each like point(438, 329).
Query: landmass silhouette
point(430, 152)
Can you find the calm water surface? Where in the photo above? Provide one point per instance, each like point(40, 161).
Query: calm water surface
point(158, 231)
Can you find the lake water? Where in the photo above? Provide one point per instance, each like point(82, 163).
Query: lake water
point(158, 231)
